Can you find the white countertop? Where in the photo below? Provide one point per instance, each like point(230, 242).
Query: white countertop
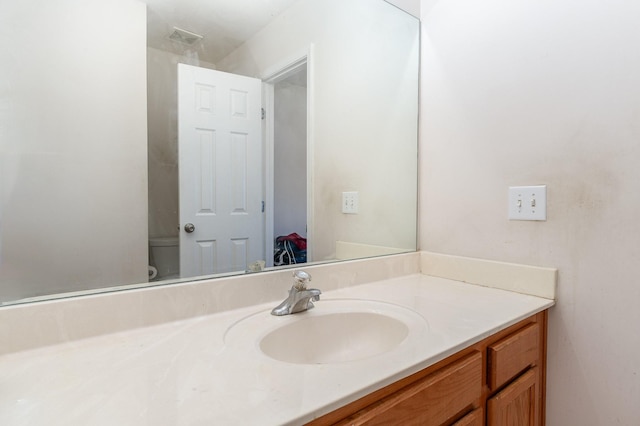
point(182, 373)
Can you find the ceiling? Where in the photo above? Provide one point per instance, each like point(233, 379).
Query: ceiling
point(224, 24)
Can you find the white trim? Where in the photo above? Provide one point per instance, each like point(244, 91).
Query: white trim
point(268, 132)
point(286, 67)
point(310, 151)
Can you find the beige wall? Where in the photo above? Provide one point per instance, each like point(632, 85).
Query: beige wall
point(349, 154)
point(162, 110)
point(544, 92)
point(73, 146)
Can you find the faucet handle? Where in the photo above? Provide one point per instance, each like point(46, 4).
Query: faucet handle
point(301, 278)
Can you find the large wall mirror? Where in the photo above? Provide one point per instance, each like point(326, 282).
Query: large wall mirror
point(148, 141)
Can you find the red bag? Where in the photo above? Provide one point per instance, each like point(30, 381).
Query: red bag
point(296, 239)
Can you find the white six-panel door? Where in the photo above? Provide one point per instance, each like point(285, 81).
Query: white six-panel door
point(220, 169)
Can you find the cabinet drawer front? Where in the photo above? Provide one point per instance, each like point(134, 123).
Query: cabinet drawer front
point(512, 355)
point(474, 418)
point(430, 401)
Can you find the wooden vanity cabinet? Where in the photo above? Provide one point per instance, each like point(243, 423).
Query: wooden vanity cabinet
point(474, 418)
point(516, 404)
point(514, 378)
point(431, 400)
point(498, 381)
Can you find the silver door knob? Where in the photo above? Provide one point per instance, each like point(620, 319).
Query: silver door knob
point(189, 228)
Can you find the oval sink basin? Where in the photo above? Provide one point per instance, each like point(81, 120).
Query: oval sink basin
point(334, 338)
point(335, 331)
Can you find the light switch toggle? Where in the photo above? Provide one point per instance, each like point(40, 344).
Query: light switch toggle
point(534, 209)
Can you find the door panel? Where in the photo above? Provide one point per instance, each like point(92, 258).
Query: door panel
point(220, 150)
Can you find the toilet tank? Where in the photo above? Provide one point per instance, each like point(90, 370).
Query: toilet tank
point(165, 257)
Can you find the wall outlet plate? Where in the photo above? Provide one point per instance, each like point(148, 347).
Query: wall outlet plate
point(528, 202)
point(350, 202)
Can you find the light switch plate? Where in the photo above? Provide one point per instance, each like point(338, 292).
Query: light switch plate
point(350, 202)
point(528, 202)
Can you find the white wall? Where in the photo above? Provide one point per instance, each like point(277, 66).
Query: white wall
point(350, 154)
point(162, 128)
point(162, 104)
point(409, 6)
point(72, 146)
point(544, 92)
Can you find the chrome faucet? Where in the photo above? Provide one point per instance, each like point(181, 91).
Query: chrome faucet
point(300, 297)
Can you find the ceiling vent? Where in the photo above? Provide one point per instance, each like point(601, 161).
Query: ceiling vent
point(184, 37)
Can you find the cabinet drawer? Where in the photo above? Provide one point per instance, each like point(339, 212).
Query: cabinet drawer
point(429, 401)
point(474, 418)
point(512, 355)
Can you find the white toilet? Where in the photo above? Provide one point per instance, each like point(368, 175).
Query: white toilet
point(164, 258)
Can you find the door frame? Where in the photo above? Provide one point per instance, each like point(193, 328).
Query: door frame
point(273, 75)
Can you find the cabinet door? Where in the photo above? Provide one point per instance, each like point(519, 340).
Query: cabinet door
point(515, 405)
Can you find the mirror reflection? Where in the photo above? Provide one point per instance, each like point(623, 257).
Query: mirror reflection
point(143, 142)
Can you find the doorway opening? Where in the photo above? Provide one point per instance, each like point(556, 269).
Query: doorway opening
point(287, 161)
